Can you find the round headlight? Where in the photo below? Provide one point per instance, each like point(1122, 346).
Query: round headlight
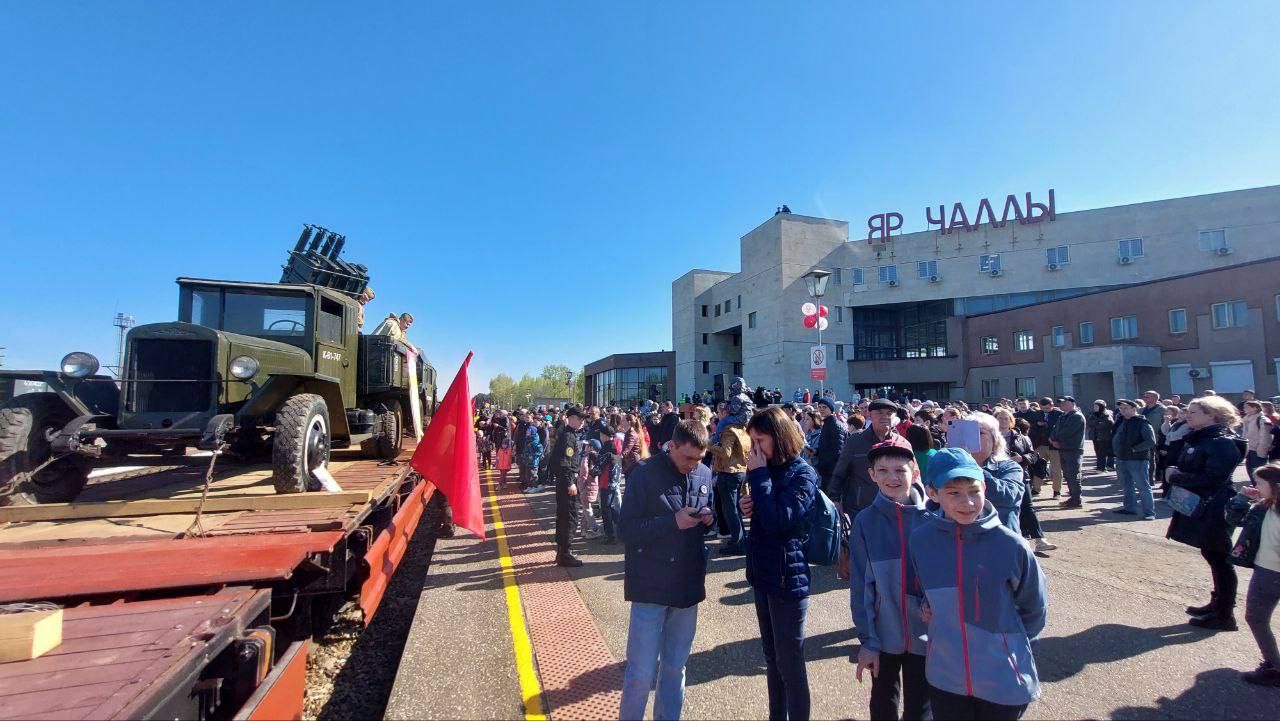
point(79, 365)
point(243, 367)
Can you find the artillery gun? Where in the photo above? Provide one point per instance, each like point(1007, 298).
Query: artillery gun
point(266, 369)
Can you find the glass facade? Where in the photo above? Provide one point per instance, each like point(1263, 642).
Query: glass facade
point(629, 386)
point(913, 331)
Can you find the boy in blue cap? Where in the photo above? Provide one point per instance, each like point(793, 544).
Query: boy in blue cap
point(883, 591)
point(985, 598)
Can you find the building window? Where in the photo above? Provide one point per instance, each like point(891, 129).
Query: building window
point(1234, 314)
point(837, 276)
point(857, 276)
point(704, 339)
point(926, 268)
point(1086, 332)
point(1124, 327)
point(1024, 387)
point(737, 340)
point(888, 274)
point(991, 389)
point(989, 263)
point(1024, 340)
point(704, 311)
point(1213, 240)
point(990, 345)
point(717, 310)
point(706, 366)
point(1058, 256)
point(1131, 248)
point(1178, 320)
point(1058, 336)
point(839, 314)
point(751, 319)
point(839, 351)
point(1057, 387)
point(1278, 307)
point(739, 302)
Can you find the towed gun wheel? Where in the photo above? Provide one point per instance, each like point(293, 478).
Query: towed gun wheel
point(29, 472)
point(301, 442)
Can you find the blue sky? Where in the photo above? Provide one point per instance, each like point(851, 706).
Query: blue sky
point(528, 178)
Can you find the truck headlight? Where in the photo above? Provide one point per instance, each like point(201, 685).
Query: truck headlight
point(243, 367)
point(79, 364)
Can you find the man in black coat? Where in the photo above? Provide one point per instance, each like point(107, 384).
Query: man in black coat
point(830, 442)
point(666, 427)
point(1067, 438)
point(564, 470)
point(852, 488)
point(666, 507)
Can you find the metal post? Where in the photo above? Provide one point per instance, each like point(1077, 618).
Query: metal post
point(818, 325)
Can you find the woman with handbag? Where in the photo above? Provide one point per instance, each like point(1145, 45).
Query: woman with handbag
point(1200, 487)
point(1102, 426)
point(1021, 451)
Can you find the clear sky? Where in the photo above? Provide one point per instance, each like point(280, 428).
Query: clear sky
point(528, 178)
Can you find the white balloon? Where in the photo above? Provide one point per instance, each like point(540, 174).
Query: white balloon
point(808, 309)
point(822, 324)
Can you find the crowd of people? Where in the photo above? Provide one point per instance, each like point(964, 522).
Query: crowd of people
point(926, 492)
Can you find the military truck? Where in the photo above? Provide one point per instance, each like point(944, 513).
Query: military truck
point(263, 369)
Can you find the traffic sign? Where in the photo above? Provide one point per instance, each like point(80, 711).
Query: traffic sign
point(818, 363)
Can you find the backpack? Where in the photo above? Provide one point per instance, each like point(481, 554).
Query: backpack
point(822, 544)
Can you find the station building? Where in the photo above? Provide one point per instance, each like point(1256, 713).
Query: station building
point(630, 378)
point(1179, 295)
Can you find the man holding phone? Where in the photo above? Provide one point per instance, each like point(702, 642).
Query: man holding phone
point(666, 507)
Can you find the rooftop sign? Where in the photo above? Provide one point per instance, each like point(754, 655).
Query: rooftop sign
point(881, 226)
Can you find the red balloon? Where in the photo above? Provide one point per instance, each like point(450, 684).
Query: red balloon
point(822, 311)
point(810, 321)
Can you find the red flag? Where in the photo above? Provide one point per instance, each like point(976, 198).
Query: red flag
point(446, 455)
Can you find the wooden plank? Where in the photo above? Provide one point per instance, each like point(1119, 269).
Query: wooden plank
point(117, 509)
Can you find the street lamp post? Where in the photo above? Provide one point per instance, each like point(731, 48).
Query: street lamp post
point(815, 281)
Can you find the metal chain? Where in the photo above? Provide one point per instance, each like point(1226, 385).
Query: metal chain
point(196, 529)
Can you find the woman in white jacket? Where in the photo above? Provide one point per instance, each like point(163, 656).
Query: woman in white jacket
point(1256, 429)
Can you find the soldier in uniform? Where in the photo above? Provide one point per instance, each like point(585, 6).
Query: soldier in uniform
point(564, 468)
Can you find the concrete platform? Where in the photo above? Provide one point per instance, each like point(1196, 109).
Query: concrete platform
point(1117, 644)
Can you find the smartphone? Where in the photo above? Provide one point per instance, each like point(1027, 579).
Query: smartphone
point(964, 433)
point(704, 511)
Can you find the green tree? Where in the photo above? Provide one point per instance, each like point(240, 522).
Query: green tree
point(503, 390)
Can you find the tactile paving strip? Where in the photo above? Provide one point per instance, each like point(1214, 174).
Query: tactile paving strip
point(580, 678)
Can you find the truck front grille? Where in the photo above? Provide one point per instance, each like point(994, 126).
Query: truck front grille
point(155, 362)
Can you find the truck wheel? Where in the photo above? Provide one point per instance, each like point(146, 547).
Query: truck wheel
point(26, 425)
point(390, 427)
point(301, 442)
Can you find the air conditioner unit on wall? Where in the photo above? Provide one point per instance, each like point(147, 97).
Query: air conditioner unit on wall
point(1223, 251)
point(1126, 259)
point(1198, 372)
point(935, 279)
point(996, 273)
point(893, 284)
point(1053, 266)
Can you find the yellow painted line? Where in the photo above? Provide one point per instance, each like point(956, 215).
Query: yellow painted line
point(530, 686)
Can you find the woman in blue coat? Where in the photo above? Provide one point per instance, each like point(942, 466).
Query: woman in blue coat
point(783, 489)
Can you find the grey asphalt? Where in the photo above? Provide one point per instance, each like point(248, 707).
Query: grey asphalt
point(1116, 646)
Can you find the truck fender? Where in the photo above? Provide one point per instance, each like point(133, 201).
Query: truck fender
point(279, 387)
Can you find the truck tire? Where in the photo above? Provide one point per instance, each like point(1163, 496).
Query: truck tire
point(301, 442)
point(390, 425)
point(25, 424)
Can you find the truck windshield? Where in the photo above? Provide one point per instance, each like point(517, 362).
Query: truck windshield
point(276, 317)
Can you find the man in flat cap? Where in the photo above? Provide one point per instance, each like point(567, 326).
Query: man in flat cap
point(851, 486)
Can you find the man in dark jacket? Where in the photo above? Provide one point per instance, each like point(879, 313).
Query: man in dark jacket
point(1039, 436)
point(1067, 437)
point(1132, 445)
point(852, 488)
point(564, 470)
point(667, 504)
point(664, 429)
point(830, 442)
point(1153, 411)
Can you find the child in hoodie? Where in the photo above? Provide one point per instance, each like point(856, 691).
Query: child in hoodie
point(883, 591)
point(985, 598)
